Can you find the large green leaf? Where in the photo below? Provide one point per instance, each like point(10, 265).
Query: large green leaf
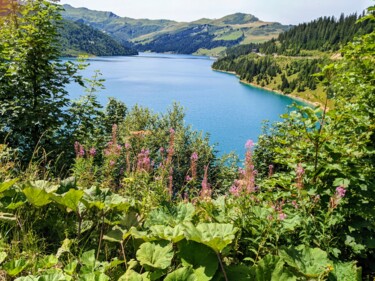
point(182, 274)
point(14, 267)
point(168, 233)
point(37, 196)
point(69, 199)
point(311, 262)
point(45, 185)
point(131, 275)
point(155, 255)
point(93, 277)
point(58, 276)
point(88, 261)
point(171, 215)
point(6, 185)
point(216, 236)
point(347, 271)
point(198, 256)
point(271, 268)
point(117, 234)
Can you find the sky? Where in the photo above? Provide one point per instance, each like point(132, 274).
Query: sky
point(283, 11)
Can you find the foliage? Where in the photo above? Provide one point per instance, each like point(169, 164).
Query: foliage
point(77, 38)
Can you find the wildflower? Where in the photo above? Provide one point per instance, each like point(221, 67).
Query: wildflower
point(294, 203)
point(127, 145)
point(78, 148)
point(249, 144)
point(206, 189)
point(92, 151)
point(270, 170)
point(300, 172)
point(282, 216)
point(194, 156)
point(340, 191)
point(112, 163)
point(234, 190)
point(188, 178)
point(193, 165)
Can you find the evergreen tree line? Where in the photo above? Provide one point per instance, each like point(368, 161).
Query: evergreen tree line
point(262, 70)
point(323, 34)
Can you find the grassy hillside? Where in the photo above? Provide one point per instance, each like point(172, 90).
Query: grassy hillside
point(179, 37)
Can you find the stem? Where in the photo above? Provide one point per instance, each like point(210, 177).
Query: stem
point(222, 266)
point(79, 226)
point(101, 236)
point(123, 253)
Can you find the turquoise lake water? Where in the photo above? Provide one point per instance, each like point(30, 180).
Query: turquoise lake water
point(214, 102)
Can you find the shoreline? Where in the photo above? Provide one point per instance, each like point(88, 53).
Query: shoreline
point(277, 92)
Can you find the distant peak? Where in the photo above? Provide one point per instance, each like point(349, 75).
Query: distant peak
point(238, 18)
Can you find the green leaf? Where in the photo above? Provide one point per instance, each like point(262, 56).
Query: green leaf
point(216, 236)
point(131, 275)
point(198, 256)
point(171, 215)
point(168, 233)
point(47, 262)
point(345, 271)
point(14, 267)
point(271, 268)
point(3, 256)
point(93, 277)
point(88, 261)
point(311, 262)
point(37, 196)
point(6, 185)
point(59, 276)
point(70, 268)
point(117, 234)
point(70, 199)
point(182, 274)
point(155, 255)
point(45, 185)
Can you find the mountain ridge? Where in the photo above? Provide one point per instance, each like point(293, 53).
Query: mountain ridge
point(203, 35)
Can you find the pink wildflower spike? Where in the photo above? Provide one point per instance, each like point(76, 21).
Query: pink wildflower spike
point(194, 156)
point(249, 144)
point(171, 131)
point(206, 189)
point(234, 190)
point(127, 145)
point(112, 163)
point(270, 170)
point(300, 172)
point(188, 178)
point(92, 151)
point(340, 191)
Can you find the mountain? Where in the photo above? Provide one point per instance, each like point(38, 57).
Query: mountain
point(78, 38)
point(204, 36)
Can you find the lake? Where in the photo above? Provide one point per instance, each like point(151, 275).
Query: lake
point(214, 102)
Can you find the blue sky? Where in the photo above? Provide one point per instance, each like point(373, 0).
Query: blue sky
point(284, 11)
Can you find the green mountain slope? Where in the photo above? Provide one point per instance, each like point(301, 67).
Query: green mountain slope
point(78, 38)
point(209, 36)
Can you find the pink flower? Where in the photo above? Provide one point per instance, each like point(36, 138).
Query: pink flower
point(282, 216)
point(249, 144)
point(234, 190)
point(92, 151)
point(188, 178)
point(340, 191)
point(171, 131)
point(194, 156)
point(112, 163)
point(127, 145)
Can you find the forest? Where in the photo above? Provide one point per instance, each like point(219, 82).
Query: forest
point(117, 193)
point(292, 63)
